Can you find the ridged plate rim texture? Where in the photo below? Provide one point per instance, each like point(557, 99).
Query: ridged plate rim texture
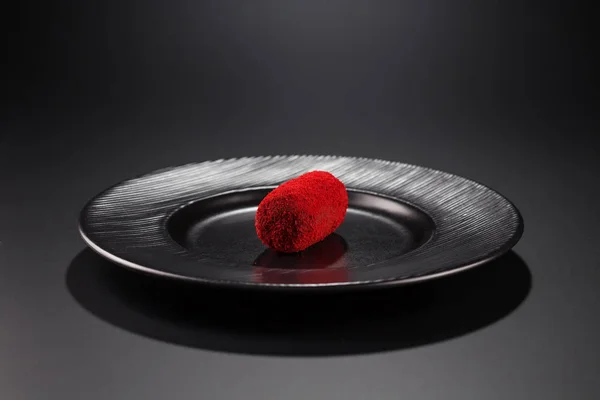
point(126, 223)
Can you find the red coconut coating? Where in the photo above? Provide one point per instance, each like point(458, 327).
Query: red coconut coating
point(301, 212)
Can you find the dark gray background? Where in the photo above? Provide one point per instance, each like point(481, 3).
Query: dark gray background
point(500, 92)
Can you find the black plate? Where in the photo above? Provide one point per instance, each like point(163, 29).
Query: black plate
point(196, 222)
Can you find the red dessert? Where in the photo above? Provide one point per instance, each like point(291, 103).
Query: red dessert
point(301, 212)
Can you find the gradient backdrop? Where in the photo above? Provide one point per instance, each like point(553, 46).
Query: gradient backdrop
point(500, 92)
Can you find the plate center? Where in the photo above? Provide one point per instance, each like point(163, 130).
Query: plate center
point(375, 229)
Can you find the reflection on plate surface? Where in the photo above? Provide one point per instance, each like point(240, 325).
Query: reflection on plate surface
point(322, 262)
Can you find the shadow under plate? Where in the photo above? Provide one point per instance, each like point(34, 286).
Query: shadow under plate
point(299, 324)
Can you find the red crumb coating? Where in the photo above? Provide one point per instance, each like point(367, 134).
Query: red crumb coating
point(301, 212)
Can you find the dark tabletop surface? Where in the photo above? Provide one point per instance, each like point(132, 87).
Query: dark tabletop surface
point(498, 94)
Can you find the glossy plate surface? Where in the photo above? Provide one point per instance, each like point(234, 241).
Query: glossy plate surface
point(195, 222)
